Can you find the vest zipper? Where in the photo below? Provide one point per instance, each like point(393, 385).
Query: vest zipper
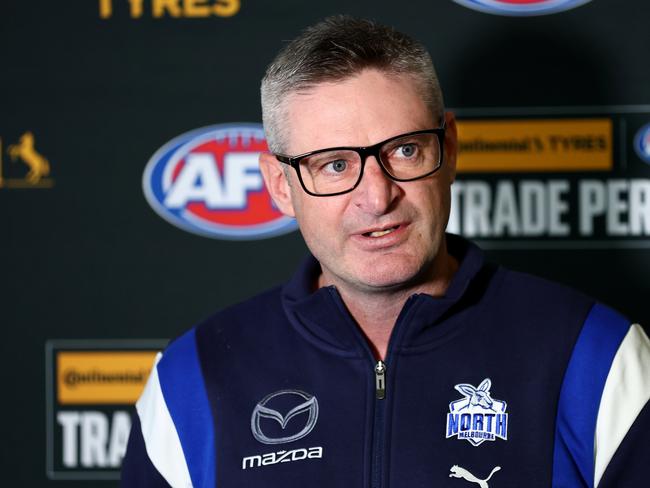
point(380, 380)
point(378, 427)
point(380, 370)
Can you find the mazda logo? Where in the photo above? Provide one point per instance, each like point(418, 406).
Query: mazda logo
point(308, 404)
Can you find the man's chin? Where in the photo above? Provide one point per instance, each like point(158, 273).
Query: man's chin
point(388, 280)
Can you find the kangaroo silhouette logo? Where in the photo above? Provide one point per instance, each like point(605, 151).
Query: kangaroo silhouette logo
point(457, 472)
point(39, 167)
point(477, 417)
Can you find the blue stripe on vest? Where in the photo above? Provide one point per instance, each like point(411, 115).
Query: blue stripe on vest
point(181, 381)
point(582, 388)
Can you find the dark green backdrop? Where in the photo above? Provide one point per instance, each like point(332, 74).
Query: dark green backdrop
point(86, 257)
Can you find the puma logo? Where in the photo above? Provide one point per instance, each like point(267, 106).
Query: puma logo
point(39, 167)
point(458, 472)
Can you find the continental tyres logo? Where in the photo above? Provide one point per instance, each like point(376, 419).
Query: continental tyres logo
point(528, 145)
point(91, 388)
point(158, 9)
point(72, 379)
point(102, 377)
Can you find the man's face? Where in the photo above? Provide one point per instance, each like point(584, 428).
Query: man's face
point(384, 234)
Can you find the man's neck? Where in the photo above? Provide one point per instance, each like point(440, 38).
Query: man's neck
point(376, 311)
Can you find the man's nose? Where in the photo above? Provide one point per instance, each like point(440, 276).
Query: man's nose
point(376, 191)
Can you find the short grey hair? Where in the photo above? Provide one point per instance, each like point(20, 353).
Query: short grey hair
point(335, 49)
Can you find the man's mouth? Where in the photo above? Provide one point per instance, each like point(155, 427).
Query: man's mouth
point(380, 233)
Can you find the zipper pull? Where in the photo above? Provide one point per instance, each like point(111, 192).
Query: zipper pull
point(380, 379)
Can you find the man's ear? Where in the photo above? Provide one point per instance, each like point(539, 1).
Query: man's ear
point(451, 146)
point(276, 183)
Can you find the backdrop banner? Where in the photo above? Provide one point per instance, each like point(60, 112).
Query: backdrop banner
point(132, 205)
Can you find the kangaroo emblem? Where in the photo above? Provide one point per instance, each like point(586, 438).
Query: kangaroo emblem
point(477, 396)
point(39, 167)
point(458, 472)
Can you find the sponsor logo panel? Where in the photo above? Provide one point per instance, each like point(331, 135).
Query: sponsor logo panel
point(535, 145)
point(102, 377)
point(562, 181)
point(91, 388)
point(208, 182)
point(521, 8)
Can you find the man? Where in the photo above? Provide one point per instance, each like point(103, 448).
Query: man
point(395, 356)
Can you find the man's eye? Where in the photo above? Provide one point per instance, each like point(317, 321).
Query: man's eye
point(406, 150)
point(337, 166)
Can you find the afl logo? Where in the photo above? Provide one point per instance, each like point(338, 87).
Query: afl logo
point(208, 182)
point(521, 7)
point(642, 143)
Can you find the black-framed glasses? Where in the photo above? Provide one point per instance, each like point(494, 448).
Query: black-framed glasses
point(337, 170)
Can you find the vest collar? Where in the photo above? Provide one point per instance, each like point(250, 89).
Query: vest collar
point(321, 316)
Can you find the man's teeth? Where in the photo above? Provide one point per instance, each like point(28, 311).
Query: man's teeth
point(379, 233)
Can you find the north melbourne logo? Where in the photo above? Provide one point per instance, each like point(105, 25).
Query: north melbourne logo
point(477, 417)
